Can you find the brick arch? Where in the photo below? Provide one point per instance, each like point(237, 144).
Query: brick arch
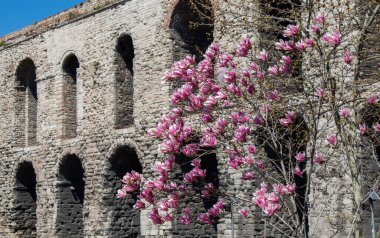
point(124, 142)
point(69, 67)
point(191, 23)
point(64, 57)
point(124, 220)
point(24, 217)
point(173, 3)
point(70, 196)
point(25, 103)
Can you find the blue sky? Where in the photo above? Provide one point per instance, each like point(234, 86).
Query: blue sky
point(16, 14)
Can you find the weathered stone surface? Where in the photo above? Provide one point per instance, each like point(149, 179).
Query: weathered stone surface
point(86, 84)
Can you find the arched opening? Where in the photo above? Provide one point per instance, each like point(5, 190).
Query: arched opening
point(124, 81)
point(24, 210)
point(70, 197)
point(26, 103)
point(69, 67)
point(125, 221)
point(369, 166)
point(275, 16)
point(280, 149)
point(193, 199)
point(192, 23)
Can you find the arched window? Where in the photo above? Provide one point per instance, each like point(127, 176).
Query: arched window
point(24, 211)
point(192, 23)
point(69, 67)
point(370, 165)
point(124, 81)
point(26, 104)
point(275, 15)
point(125, 220)
point(193, 199)
point(70, 198)
point(280, 150)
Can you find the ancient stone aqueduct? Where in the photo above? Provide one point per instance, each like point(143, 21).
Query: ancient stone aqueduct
point(78, 91)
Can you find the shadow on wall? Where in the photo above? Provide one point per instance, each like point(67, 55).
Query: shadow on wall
point(70, 198)
point(69, 67)
point(26, 104)
point(125, 221)
point(24, 209)
point(124, 81)
point(193, 199)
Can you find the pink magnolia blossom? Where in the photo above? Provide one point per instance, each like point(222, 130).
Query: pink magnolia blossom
point(286, 59)
point(377, 128)
point(121, 193)
point(320, 18)
point(331, 139)
point(139, 205)
point(285, 45)
point(253, 66)
point(344, 113)
point(314, 28)
point(190, 150)
point(298, 171)
point(289, 118)
point(362, 129)
point(285, 122)
point(302, 45)
point(260, 75)
point(251, 89)
point(320, 93)
point(372, 99)
point(272, 208)
point(220, 125)
point(208, 139)
point(243, 212)
point(225, 60)
point(155, 217)
point(310, 42)
point(274, 71)
point(290, 188)
point(244, 46)
point(318, 158)
point(247, 175)
point(300, 157)
point(347, 57)
point(332, 38)
point(185, 218)
point(212, 51)
point(203, 217)
point(291, 30)
point(251, 149)
point(263, 55)
point(272, 95)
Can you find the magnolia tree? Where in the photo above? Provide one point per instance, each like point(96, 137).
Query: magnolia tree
point(280, 115)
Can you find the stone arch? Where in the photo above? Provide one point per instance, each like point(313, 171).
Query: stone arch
point(26, 100)
point(192, 25)
point(71, 191)
point(124, 220)
point(24, 210)
point(70, 76)
point(193, 199)
point(125, 54)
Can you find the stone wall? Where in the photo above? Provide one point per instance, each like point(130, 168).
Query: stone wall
point(79, 123)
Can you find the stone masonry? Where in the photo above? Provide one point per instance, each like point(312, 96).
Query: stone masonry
point(78, 92)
